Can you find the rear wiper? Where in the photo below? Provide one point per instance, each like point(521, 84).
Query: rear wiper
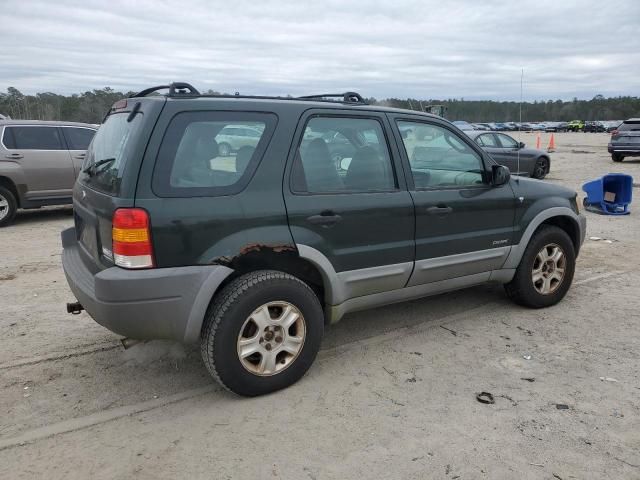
point(91, 169)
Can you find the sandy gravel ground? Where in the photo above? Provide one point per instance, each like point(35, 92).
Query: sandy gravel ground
point(392, 394)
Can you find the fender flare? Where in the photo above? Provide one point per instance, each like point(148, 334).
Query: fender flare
point(517, 251)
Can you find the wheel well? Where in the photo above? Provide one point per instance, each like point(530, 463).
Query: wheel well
point(8, 184)
point(568, 225)
point(288, 262)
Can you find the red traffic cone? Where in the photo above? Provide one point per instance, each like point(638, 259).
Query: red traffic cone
point(538, 141)
point(552, 144)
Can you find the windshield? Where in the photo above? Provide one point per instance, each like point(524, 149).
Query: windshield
point(108, 153)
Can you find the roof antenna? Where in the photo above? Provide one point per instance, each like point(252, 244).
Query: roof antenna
point(520, 127)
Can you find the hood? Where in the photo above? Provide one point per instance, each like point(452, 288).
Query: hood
point(531, 186)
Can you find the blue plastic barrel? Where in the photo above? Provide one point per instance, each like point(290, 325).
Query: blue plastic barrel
point(610, 194)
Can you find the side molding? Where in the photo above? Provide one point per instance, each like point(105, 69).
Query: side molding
point(342, 286)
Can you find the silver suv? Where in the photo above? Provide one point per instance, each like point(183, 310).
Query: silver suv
point(39, 163)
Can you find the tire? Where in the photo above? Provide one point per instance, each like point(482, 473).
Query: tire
point(617, 157)
point(233, 316)
point(224, 149)
point(8, 206)
point(523, 290)
point(541, 167)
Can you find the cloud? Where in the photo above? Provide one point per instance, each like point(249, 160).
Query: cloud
point(422, 49)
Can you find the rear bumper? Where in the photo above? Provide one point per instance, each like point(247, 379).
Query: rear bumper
point(162, 303)
point(631, 150)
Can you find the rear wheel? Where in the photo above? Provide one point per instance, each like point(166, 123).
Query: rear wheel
point(262, 332)
point(541, 168)
point(546, 270)
point(617, 157)
point(8, 206)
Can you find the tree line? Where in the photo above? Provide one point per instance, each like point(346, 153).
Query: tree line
point(91, 106)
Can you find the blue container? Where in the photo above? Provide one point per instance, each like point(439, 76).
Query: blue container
point(610, 194)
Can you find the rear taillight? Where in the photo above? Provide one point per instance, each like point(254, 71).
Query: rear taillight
point(132, 238)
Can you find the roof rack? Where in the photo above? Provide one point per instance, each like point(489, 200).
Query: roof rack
point(186, 90)
point(176, 89)
point(347, 97)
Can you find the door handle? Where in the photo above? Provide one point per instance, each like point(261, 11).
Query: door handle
point(326, 219)
point(15, 155)
point(439, 210)
point(81, 156)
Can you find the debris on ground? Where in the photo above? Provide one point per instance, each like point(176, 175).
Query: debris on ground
point(528, 379)
point(485, 397)
point(527, 356)
point(562, 406)
point(608, 379)
point(452, 332)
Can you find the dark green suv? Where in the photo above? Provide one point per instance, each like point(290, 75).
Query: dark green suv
point(251, 252)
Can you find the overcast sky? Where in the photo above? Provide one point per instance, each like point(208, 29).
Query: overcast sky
point(423, 49)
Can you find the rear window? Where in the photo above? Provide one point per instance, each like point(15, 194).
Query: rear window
point(78, 138)
point(210, 153)
point(32, 138)
point(629, 126)
point(108, 153)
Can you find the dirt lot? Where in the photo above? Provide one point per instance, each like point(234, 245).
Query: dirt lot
point(392, 394)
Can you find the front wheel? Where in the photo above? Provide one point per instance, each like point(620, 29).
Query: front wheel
point(546, 269)
point(262, 332)
point(617, 157)
point(541, 168)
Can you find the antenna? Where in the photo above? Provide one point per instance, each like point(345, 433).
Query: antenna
point(520, 127)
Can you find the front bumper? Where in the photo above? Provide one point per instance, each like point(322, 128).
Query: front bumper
point(582, 224)
point(161, 303)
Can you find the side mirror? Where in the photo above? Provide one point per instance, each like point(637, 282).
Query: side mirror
point(499, 175)
point(521, 145)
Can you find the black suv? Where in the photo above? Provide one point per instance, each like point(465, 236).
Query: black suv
point(625, 140)
point(252, 252)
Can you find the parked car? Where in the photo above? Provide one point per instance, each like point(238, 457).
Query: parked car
point(233, 138)
point(39, 163)
point(594, 127)
point(462, 125)
point(507, 151)
point(254, 261)
point(481, 126)
point(612, 125)
point(556, 127)
point(575, 126)
point(625, 141)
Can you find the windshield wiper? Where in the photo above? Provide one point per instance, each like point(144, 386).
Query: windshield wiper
point(91, 169)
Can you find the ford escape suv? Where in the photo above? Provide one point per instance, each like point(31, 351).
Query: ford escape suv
point(251, 252)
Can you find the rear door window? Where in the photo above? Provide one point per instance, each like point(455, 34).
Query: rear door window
point(210, 153)
point(78, 138)
point(33, 138)
point(343, 155)
point(109, 152)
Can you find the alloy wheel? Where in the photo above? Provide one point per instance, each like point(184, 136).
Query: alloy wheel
point(271, 338)
point(549, 268)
